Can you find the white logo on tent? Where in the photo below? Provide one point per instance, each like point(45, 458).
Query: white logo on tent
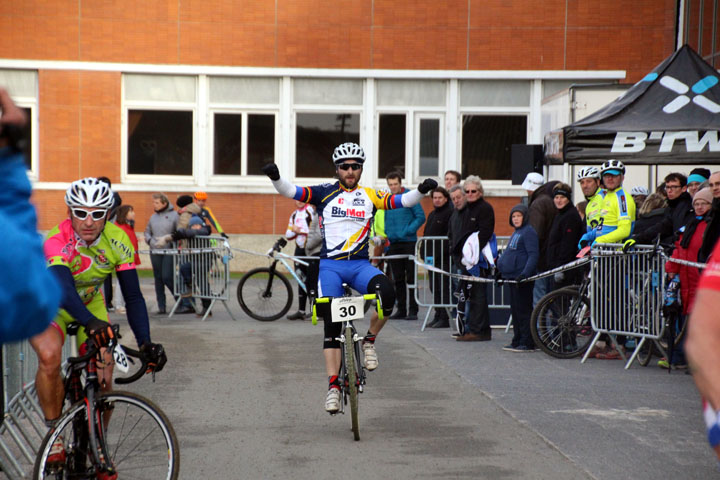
point(700, 87)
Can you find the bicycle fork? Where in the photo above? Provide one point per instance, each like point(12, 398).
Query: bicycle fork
point(96, 429)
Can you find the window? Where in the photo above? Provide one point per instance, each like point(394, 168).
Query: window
point(22, 87)
point(391, 144)
point(160, 124)
point(486, 142)
point(228, 143)
point(317, 135)
point(428, 147)
point(160, 142)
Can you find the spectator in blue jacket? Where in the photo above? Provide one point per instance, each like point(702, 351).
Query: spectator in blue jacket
point(519, 261)
point(401, 227)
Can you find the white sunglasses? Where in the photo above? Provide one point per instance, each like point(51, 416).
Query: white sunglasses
point(81, 214)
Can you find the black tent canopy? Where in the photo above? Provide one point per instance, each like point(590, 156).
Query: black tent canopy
point(672, 116)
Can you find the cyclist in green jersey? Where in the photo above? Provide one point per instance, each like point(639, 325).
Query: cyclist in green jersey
point(589, 180)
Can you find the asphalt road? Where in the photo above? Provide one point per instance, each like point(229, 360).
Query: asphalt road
point(246, 399)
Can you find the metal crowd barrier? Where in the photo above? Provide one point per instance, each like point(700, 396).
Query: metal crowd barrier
point(201, 267)
point(435, 251)
point(23, 426)
point(626, 294)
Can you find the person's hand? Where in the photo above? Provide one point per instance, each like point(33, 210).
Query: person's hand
point(628, 245)
point(521, 277)
point(271, 170)
point(154, 355)
point(427, 185)
point(559, 277)
point(587, 239)
point(177, 235)
point(99, 332)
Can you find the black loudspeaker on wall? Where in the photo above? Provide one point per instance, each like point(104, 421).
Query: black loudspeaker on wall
point(525, 159)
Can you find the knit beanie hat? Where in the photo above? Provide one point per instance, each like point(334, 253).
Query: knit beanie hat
point(698, 175)
point(704, 194)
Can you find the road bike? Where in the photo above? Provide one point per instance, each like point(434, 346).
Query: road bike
point(352, 373)
point(266, 294)
point(107, 435)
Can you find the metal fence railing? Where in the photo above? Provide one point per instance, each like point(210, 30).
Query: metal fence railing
point(201, 267)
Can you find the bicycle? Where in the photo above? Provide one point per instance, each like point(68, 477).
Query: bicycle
point(352, 374)
point(106, 434)
point(265, 294)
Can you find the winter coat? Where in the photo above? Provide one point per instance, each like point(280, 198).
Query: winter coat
point(678, 213)
point(477, 216)
point(521, 254)
point(437, 225)
point(160, 224)
point(649, 221)
point(186, 213)
point(565, 233)
point(401, 224)
point(542, 211)
point(689, 276)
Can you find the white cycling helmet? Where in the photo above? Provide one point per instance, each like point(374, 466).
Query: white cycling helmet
point(612, 165)
point(89, 192)
point(588, 172)
point(348, 151)
point(639, 190)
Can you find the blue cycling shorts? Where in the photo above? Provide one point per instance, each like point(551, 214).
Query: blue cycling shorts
point(333, 273)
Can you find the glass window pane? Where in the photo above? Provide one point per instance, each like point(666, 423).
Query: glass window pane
point(411, 92)
point(429, 146)
point(494, 93)
point(160, 88)
point(160, 142)
point(486, 142)
point(317, 135)
point(249, 90)
point(19, 83)
point(318, 91)
point(391, 144)
point(27, 140)
point(261, 142)
point(227, 146)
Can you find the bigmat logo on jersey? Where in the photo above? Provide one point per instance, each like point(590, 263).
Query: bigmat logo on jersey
point(350, 212)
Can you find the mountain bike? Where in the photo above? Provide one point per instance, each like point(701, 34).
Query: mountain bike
point(112, 434)
point(352, 374)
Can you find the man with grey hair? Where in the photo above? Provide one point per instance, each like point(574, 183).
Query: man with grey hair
point(476, 216)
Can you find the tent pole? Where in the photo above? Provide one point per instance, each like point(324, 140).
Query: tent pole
point(680, 24)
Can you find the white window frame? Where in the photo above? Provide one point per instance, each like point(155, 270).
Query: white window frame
point(414, 174)
point(148, 179)
point(337, 109)
point(493, 111)
point(32, 104)
point(225, 179)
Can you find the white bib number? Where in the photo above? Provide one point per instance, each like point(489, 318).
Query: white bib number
point(121, 360)
point(344, 309)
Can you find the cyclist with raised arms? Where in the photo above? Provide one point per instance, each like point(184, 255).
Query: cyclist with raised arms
point(81, 252)
point(589, 180)
point(617, 213)
point(346, 210)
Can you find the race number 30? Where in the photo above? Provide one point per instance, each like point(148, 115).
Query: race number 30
point(347, 308)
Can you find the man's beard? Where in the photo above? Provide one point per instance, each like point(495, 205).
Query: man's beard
point(342, 182)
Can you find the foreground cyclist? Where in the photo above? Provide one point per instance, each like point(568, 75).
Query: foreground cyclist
point(346, 211)
point(81, 251)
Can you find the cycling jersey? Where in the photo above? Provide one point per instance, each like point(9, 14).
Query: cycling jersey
point(593, 209)
point(617, 217)
point(346, 216)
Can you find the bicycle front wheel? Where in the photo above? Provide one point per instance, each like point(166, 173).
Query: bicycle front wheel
point(264, 295)
point(560, 323)
point(352, 375)
point(138, 438)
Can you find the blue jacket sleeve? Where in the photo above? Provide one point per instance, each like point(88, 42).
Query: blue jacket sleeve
point(418, 219)
point(532, 247)
point(135, 304)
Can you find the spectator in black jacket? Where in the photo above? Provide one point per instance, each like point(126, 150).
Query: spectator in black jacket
point(438, 252)
point(679, 212)
point(565, 233)
point(712, 231)
point(476, 216)
point(652, 213)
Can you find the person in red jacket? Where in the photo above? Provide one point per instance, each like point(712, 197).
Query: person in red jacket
point(686, 248)
point(126, 221)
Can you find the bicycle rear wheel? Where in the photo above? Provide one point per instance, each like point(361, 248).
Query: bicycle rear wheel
point(139, 439)
point(264, 295)
point(560, 323)
point(352, 377)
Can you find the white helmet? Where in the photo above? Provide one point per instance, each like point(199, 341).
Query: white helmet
point(639, 190)
point(89, 192)
point(588, 172)
point(612, 165)
point(348, 151)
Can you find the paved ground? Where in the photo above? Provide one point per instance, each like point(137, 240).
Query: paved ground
point(246, 397)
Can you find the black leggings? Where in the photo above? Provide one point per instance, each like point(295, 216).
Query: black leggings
point(379, 284)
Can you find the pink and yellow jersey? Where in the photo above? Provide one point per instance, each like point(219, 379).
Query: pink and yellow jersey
point(89, 264)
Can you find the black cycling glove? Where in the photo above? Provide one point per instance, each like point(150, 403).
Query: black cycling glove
point(271, 170)
point(99, 332)
point(154, 355)
point(427, 185)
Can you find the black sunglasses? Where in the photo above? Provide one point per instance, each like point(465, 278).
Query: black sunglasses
point(346, 166)
point(472, 191)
